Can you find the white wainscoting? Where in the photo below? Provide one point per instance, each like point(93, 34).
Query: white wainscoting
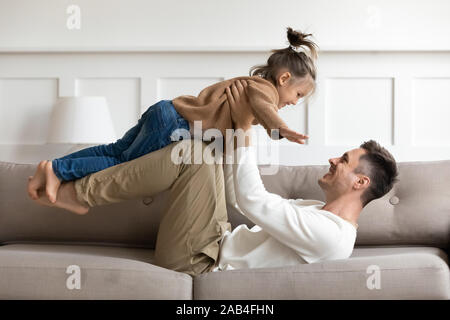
point(401, 99)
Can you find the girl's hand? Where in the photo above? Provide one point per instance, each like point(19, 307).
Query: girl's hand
point(292, 135)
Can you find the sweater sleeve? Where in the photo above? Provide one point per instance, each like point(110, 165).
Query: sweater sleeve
point(264, 106)
point(307, 233)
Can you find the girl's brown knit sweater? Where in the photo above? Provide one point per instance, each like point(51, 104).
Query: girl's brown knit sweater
point(212, 108)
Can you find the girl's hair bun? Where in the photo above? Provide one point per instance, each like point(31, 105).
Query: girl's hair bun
point(295, 58)
point(298, 39)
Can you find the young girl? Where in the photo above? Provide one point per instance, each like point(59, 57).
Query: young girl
point(289, 75)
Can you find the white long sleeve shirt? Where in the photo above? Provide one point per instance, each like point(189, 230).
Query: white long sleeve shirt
point(287, 232)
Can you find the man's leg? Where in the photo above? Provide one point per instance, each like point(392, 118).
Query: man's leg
point(195, 218)
point(194, 222)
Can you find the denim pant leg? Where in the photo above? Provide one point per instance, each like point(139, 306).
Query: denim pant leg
point(83, 162)
point(114, 149)
point(72, 169)
point(161, 121)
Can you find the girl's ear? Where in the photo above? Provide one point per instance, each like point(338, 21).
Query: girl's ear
point(284, 78)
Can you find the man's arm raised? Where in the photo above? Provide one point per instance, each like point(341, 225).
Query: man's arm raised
point(274, 214)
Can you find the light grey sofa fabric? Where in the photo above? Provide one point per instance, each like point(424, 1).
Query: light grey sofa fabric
point(404, 273)
point(41, 271)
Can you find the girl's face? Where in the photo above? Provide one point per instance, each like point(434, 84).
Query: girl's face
point(290, 90)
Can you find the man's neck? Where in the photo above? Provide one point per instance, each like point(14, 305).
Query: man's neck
point(345, 207)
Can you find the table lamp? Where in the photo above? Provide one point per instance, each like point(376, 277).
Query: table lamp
point(81, 120)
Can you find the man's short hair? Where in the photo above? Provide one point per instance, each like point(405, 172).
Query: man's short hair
point(380, 166)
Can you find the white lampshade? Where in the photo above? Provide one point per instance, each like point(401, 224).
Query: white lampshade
point(81, 120)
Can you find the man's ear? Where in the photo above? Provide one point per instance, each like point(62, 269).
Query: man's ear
point(362, 182)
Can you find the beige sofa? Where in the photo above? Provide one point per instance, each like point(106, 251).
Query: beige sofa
point(401, 250)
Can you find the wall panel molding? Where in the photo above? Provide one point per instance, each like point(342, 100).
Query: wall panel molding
point(25, 108)
point(399, 98)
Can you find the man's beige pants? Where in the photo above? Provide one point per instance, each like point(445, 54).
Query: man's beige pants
point(195, 218)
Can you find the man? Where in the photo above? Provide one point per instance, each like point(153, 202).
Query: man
point(194, 235)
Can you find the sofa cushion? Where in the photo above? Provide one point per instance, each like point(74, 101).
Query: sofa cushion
point(37, 271)
point(402, 272)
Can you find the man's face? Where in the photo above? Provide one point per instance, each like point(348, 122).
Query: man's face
point(341, 178)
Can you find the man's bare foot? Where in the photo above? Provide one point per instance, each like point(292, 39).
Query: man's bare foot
point(66, 199)
point(37, 181)
point(52, 182)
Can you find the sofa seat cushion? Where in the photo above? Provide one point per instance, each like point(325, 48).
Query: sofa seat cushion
point(43, 271)
point(370, 273)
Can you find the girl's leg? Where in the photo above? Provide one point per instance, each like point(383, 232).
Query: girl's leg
point(114, 149)
point(58, 170)
point(156, 131)
point(72, 169)
point(83, 162)
point(152, 133)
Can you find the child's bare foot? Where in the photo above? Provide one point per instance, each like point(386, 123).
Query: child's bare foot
point(66, 199)
point(52, 182)
point(42, 199)
point(37, 181)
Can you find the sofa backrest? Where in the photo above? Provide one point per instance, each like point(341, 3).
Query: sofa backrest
point(131, 223)
point(415, 212)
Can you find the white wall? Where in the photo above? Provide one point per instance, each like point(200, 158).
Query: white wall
point(384, 68)
point(339, 24)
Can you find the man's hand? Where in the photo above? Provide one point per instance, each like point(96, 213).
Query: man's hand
point(237, 92)
point(237, 96)
point(292, 135)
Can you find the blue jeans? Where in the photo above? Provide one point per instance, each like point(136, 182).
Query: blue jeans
point(152, 132)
